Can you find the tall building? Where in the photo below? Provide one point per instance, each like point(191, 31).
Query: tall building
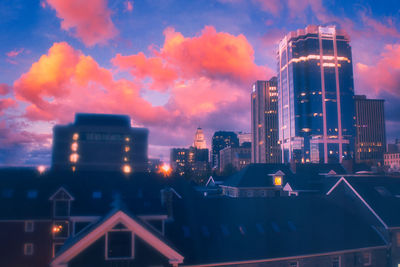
point(220, 140)
point(236, 157)
point(244, 137)
point(199, 141)
point(315, 85)
point(264, 122)
point(370, 129)
point(100, 142)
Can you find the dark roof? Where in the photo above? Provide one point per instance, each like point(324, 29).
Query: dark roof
point(86, 119)
point(257, 175)
point(382, 193)
point(25, 193)
point(213, 230)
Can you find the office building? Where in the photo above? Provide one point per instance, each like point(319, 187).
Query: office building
point(244, 137)
point(316, 105)
point(221, 140)
point(189, 161)
point(370, 137)
point(100, 142)
point(264, 122)
point(236, 157)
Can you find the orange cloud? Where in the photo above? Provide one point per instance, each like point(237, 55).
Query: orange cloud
point(90, 20)
point(65, 81)
point(384, 75)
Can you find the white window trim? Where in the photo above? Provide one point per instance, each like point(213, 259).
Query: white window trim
point(369, 262)
point(27, 229)
point(340, 260)
point(54, 247)
point(294, 262)
point(132, 245)
point(28, 252)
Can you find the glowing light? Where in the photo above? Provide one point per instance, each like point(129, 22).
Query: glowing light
point(41, 169)
point(74, 157)
point(127, 148)
point(73, 168)
point(57, 228)
point(125, 159)
point(75, 136)
point(74, 146)
point(278, 180)
point(126, 169)
point(127, 139)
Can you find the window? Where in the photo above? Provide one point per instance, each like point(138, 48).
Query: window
point(32, 194)
point(56, 248)
point(28, 249)
point(250, 193)
point(278, 180)
point(294, 264)
point(336, 261)
point(119, 244)
point(60, 229)
point(366, 258)
point(29, 226)
point(61, 208)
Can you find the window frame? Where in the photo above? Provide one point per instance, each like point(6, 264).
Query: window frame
point(28, 252)
point(28, 229)
point(106, 256)
point(339, 260)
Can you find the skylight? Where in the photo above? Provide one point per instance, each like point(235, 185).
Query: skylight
point(32, 194)
point(275, 227)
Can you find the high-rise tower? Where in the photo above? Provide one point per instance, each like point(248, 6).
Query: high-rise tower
point(199, 141)
point(315, 85)
point(264, 122)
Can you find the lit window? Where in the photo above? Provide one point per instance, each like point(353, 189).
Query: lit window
point(29, 226)
point(41, 169)
point(60, 229)
point(278, 180)
point(126, 169)
point(75, 136)
point(127, 139)
point(74, 157)
point(398, 239)
point(127, 148)
point(74, 146)
point(28, 249)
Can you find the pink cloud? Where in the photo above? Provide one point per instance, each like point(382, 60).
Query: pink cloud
point(90, 20)
point(128, 6)
point(4, 88)
point(15, 52)
point(384, 75)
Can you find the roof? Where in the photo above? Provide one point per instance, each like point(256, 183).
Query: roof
point(214, 230)
point(381, 193)
point(257, 175)
point(25, 194)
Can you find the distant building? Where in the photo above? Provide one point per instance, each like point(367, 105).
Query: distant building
point(220, 140)
point(392, 160)
point(393, 148)
point(189, 161)
point(154, 165)
point(244, 137)
point(370, 138)
point(237, 157)
point(199, 141)
point(100, 142)
point(316, 89)
point(264, 122)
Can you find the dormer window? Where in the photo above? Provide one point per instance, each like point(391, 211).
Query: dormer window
point(61, 203)
point(278, 180)
point(119, 243)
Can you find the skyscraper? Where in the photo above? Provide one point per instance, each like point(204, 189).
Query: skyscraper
point(199, 141)
point(315, 85)
point(100, 142)
point(220, 140)
point(370, 128)
point(264, 122)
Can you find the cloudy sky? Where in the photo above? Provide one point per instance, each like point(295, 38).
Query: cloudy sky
point(172, 65)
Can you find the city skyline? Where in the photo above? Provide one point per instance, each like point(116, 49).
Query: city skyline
point(138, 58)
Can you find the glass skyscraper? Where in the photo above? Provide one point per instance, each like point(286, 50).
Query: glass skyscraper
point(315, 96)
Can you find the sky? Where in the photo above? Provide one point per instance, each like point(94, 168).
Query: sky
point(172, 65)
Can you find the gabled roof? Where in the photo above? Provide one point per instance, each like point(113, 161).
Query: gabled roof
point(61, 192)
point(216, 230)
point(380, 194)
point(257, 175)
point(80, 242)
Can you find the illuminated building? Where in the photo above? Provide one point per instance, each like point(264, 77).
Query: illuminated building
point(315, 86)
point(100, 142)
point(264, 122)
point(189, 161)
point(370, 138)
point(199, 141)
point(221, 140)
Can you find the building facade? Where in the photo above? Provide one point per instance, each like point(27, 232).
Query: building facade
point(221, 140)
point(264, 122)
point(199, 141)
point(100, 142)
point(189, 161)
point(237, 157)
point(370, 138)
point(316, 105)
